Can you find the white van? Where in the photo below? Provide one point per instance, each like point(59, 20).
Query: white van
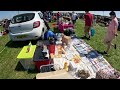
point(27, 26)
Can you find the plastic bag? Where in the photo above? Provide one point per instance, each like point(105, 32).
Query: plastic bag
point(92, 31)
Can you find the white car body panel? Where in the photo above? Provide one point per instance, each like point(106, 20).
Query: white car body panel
point(25, 31)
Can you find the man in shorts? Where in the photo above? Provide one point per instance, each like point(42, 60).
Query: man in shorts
point(88, 24)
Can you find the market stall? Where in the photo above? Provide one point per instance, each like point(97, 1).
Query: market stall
point(80, 60)
point(69, 55)
point(74, 60)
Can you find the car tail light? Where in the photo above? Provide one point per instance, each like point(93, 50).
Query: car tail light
point(36, 24)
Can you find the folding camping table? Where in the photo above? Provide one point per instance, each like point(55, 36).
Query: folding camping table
point(25, 58)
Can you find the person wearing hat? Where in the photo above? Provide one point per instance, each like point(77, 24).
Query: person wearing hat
point(111, 32)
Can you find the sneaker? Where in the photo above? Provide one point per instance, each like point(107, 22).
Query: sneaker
point(84, 37)
point(106, 53)
point(88, 38)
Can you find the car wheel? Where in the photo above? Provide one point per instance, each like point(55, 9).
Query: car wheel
point(42, 35)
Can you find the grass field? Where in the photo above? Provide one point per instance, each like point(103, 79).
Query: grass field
point(1, 28)
point(10, 67)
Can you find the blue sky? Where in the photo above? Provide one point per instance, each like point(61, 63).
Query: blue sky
point(10, 14)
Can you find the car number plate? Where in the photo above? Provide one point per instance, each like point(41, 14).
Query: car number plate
point(22, 36)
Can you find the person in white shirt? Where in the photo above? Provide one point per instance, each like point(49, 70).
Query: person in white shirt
point(74, 17)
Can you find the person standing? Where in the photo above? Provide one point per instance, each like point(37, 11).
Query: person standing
point(88, 24)
point(45, 20)
point(95, 19)
point(74, 17)
point(111, 31)
point(7, 26)
point(58, 16)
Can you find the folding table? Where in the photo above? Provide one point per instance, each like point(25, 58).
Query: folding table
point(26, 59)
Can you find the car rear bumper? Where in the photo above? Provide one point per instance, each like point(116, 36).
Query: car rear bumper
point(32, 35)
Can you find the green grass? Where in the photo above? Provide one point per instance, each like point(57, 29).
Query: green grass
point(9, 63)
point(10, 67)
point(1, 28)
point(97, 43)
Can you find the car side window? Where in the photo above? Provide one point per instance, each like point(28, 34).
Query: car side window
point(41, 15)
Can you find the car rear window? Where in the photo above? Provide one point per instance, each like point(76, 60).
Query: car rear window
point(23, 18)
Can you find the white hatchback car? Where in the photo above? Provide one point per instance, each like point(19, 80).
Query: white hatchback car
point(27, 26)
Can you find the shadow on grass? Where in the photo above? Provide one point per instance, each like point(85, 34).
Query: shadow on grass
point(33, 71)
point(19, 44)
point(34, 77)
point(81, 37)
point(100, 52)
point(19, 67)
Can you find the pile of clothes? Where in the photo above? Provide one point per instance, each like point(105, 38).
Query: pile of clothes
point(101, 75)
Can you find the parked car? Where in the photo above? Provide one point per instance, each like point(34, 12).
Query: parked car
point(27, 26)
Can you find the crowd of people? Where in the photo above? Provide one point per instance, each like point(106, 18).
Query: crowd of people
point(5, 24)
point(90, 21)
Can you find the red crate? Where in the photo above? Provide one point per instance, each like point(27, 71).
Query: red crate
point(40, 63)
point(51, 49)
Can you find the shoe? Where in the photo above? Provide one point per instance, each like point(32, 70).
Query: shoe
point(84, 37)
point(106, 53)
point(88, 38)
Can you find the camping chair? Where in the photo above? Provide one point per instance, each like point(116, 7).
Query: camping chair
point(46, 68)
